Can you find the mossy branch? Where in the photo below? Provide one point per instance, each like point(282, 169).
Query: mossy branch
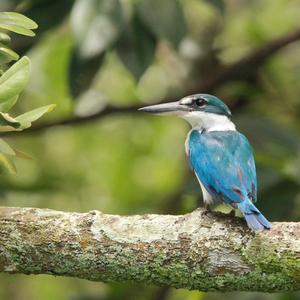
point(207, 252)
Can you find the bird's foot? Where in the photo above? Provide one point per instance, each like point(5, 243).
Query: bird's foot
point(207, 209)
point(232, 213)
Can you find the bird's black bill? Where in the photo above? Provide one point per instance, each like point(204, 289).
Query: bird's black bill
point(171, 108)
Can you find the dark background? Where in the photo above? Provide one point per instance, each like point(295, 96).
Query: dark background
point(99, 61)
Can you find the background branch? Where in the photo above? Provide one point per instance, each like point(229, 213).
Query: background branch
point(208, 252)
point(239, 70)
point(243, 68)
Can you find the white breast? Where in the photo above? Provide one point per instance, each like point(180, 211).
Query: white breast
point(207, 198)
point(208, 121)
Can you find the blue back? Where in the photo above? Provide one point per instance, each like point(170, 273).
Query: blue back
point(223, 161)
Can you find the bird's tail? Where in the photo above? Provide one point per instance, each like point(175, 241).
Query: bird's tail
point(254, 218)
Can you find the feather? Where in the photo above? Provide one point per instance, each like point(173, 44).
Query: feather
point(253, 216)
point(223, 161)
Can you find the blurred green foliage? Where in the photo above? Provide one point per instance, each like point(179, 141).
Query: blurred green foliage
point(88, 54)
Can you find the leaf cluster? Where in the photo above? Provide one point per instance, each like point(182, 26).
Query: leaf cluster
point(132, 29)
point(14, 78)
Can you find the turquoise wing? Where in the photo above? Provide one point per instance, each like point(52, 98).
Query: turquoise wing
point(223, 160)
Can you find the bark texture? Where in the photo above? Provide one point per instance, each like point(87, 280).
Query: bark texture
point(203, 251)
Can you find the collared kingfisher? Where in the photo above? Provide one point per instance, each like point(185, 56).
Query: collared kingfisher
point(220, 156)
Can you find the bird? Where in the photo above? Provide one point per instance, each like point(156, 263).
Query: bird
point(220, 156)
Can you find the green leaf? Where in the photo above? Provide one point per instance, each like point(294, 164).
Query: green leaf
point(82, 71)
point(17, 19)
point(8, 123)
point(14, 80)
point(164, 18)
point(27, 118)
point(7, 55)
point(4, 38)
point(7, 105)
point(5, 148)
point(17, 23)
point(7, 165)
point(17, 29)
point(96, 25)
point(22, 155)
point(136, 47)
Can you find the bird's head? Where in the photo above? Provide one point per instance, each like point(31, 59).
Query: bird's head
point(200, 110)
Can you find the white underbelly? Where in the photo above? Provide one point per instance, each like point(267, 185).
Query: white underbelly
point(207, 198)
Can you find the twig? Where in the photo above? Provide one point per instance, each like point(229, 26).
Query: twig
point(239, 70)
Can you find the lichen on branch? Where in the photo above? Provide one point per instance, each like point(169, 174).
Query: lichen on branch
point(207, 252)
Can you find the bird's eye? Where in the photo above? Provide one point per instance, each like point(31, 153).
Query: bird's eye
point(200, 102)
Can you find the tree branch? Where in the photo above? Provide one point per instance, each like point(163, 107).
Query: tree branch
point(243, 68)
point(108, 110)
point(239, 70)
point(208, 252)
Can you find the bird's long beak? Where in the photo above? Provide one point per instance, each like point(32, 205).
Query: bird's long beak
point(170, 108)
